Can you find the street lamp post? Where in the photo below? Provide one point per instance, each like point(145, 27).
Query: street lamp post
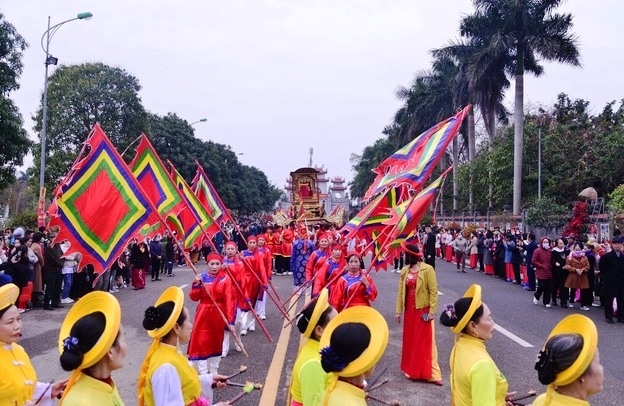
point(201, 120)
point(50, 60)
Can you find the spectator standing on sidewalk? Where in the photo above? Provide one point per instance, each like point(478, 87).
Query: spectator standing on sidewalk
point(156, 254)
point(460, 244)
point(530, 246)
point(577, 266)
point(53, 263)
point(70, 265)
point(429, 247)
point(611, 267)
point(541, 263)
point(558, 259)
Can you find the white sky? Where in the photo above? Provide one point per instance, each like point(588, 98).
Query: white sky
point(276, 77)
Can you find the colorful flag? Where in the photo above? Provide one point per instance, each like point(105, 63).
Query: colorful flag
point(209, 198)
point(405, 217)
point(99, 206)
point(373, 216)
point(156, 182)
point(195, 209)
point(413, 164)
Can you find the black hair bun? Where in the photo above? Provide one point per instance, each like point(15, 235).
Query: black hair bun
point(448, 320)
point(153, 319)
point(544, 366)
point(332, 360)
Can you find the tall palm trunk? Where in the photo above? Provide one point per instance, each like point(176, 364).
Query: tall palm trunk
point(492, 133)
point(455, 179)
point(518, 135)
point(471, 155)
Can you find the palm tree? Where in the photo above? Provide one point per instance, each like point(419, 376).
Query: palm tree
point(518, 33)
point(434, 95)
point(485, 82)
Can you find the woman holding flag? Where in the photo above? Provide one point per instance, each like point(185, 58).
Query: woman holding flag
point(211, 289)
point(318, 257)
point(353, 288)
point(265, 258)
point(327, 274)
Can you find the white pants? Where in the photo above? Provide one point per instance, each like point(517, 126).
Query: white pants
point(261, 305)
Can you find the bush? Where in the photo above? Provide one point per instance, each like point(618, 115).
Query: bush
point(546, 212)
point(26, 219)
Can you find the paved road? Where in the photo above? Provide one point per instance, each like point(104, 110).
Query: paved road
point(271, 362)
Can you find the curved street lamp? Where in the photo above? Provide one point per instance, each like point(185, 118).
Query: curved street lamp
point(201, 120)
point(50, 60)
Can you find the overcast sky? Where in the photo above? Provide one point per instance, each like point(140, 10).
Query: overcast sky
point(274, 78)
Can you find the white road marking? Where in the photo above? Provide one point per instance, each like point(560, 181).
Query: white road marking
point(511, 335)
point(184, 286)
point(440, 293)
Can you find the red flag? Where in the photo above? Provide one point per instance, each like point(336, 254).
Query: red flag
point(100, 206)
point(195, 209)
point(414, 163)
point(160, 189)
point(209, 198)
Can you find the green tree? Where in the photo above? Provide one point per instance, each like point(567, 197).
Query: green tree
point(13, 137)
point(80, 96)
point(364, 164)
point(520, 32)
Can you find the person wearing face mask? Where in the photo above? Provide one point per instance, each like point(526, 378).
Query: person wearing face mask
point(557, 262)
point(587, 295)
point(212, 288)
point(541, 262)
point(577, 266)
point(569, 363)
point(353, 288)
point(475, 378)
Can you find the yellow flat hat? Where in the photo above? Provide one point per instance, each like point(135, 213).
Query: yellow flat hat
point(320, 306)
point(375, 323)
point(585, 327)
point(96, 301)
point(474, 291)
point(171, 294)
point(8, 295)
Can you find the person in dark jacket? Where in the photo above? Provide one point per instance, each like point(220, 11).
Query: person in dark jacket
point(53, 263)
point(557, 261)
point(587, 295)
point(429, 247)
point(530, 248)
point(611, 267)
point(139, 261)
point(156, 254)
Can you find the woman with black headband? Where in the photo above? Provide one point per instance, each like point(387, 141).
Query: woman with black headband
point(569, 363)
point(309, 380)
point(475, 378)
point(351, 345)
point(417, 299)
point(19, 379)
point(92, 345)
